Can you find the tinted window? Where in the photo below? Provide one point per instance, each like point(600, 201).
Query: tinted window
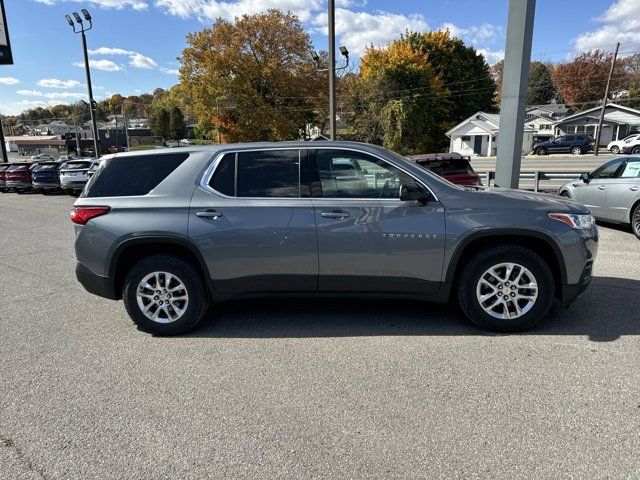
point(346, 174)
point(448, 167)
point(274, 173)
point(132, 176)
point(608, 170)
point(570, 138)
point(18, 168)
point(47, 166)
point(580, 137)
point(77, 165)
point(224, 178)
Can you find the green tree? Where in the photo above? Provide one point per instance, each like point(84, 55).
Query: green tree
point(541, 90)
point(634, 93)
point(160, 123)
point(177, 126)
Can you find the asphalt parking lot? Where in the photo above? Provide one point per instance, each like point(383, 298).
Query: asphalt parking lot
point(302, 389)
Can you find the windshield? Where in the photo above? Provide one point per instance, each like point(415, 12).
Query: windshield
point(19, 168)
point(47, 166)
point(76, 165)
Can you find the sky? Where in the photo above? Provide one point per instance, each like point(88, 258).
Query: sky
point(134, 44)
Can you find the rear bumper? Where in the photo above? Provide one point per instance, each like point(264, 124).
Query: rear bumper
point(17, 184)
point(96, 284)
point(73, 185)
point(46, 185)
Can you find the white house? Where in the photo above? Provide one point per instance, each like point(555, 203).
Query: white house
point(542, 127)
point(551, 110)
point(477, 136)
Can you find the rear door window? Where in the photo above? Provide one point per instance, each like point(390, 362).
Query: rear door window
point(269, 173)
point(132, 176)
point(570, 138)
point(224, 178)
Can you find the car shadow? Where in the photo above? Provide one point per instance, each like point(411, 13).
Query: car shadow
point(606, 311)
point(621, 227)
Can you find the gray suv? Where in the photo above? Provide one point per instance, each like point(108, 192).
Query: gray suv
point(172, 233)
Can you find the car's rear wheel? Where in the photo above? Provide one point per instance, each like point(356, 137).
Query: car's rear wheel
point(576, 150)
point(165, 295)
point(636, 150)
point(541, 151)
point(615, 150)
point(506, 289)
point(635, 220)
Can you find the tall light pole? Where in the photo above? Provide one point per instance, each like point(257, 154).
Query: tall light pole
point(331, 68)
point(92, 103)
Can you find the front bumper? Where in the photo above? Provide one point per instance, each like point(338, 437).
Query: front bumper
point(96, 284)
point(579, 248)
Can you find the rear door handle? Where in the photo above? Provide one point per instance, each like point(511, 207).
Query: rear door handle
point(634, 189)
point(210, 213)
point(602, 187)
point(335, 214)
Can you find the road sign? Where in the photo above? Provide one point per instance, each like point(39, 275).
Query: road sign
point(6, 58)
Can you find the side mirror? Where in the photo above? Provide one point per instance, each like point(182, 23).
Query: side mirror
point(585, 177)
point(413, 192)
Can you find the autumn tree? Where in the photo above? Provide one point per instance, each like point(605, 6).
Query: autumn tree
point(160, 123)
point(177, 126)
point(250, 79)
point(583, 80)
point(411, 92)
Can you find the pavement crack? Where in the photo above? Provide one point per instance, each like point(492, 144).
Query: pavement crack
point(7, 442)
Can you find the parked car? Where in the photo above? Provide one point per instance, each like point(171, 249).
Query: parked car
point(172, 143)
point(171, 231)
point(3, 168)
point(575, 144)
point(185, 141)
point(42, 157)
point(92, 170)
point(73, 175)
point(452, 166)
point(67, 158)
point(632, 147)
point(18, 177)
point(611, 192)
point(45, 176)
point(616, 146)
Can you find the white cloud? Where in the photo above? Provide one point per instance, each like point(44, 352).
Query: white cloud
point(55, 83)
point(65, 95)
point(491, 56)
point(619, 23)
point(102, 64)
point(170, 71)
point(136, 60)
point(140, 61)
point(118, 4)
point(9, 81)
point(358, 30)
point(30, 93)
point(477, 35)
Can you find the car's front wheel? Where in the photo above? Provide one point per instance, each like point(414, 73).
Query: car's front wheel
point(635, 220)
point(615, 150)
point(165, 295)
point(506, 288)
point(541, 151)
point(576, 150)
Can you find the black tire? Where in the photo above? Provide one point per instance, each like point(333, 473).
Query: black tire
point(565, 194)
point(615, 150)
point(541, 151)
point(492, 256)
point(635, 220)
point(577, 150)
point(636, 150)
point(195, 287)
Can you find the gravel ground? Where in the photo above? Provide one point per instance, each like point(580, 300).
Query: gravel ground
point(302, 389)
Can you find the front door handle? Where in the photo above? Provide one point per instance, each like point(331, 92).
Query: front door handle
point(210, 213)
point(335, 214)
point(634, 189)
point(601, 187)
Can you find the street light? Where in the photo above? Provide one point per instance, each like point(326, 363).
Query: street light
point(92, 103)
point(331, 68)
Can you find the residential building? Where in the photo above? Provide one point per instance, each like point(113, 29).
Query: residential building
point(542, 127)
point(477, 136)
point(555, 111)
point(619, 122)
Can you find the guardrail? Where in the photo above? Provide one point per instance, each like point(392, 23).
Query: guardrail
point(536, 176)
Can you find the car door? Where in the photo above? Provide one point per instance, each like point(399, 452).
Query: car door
point(556, 145)
point(623, 191)
point(593, 192)
point(369, 240)
point(253, 221)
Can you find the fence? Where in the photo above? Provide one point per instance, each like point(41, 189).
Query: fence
point(559, 178)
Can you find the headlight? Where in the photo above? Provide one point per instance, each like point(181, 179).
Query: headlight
point(583, 221)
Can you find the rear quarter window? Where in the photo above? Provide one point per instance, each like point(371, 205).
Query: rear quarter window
point(132, 176)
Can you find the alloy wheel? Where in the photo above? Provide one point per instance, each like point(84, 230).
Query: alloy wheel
point(507, 290)
point(162, 297)
point(635, 222)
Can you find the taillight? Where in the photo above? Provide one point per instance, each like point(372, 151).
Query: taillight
point(81, 215)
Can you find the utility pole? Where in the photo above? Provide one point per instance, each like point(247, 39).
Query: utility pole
point(92, 103)
point(126, 126)
point(5, 158)
point(6, 58)
point(332, 69)
point(606, 96)
point(514, 91)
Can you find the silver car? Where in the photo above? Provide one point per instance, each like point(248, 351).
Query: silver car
point(612, 191)
point(73, 174)
point(172, 231)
